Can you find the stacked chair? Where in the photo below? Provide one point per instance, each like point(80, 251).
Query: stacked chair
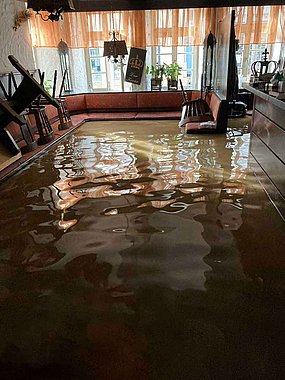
point(26, 99)
point(18, 105)
point(63, 114)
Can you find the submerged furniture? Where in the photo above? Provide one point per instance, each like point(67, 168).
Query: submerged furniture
point(63, 114)
point(219, 117)
point(7, 114)
point(17, 103)
point(9, 151)
point(127, 105)
point(196, 110)
point(44, 127)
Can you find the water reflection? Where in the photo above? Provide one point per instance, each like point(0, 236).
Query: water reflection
point(131, 254)
point(140, 180)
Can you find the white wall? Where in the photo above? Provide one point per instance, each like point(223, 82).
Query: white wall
point(78, 71)
point(47, 60)
point(17, 43)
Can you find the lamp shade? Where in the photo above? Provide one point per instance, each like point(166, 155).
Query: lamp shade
point(115, 48)
point(50, 5)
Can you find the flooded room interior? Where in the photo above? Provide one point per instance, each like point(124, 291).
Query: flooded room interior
point(142, 190)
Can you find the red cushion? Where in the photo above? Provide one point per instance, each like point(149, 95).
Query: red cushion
point(15, 130)
point(194, 94)
point(78, 119)
point(160, 100)
point(75, 103)
point(51, 112)
point(111, 115)
point(215, 103)
point(111, 101)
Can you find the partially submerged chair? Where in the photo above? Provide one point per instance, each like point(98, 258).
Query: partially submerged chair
point(194, 110)
point(63, 114)
point(8, 115)
point(18, 102)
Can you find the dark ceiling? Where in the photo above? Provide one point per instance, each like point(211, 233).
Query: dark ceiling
point(103, 5)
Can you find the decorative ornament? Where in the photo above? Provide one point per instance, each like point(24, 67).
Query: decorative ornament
point(21, 17)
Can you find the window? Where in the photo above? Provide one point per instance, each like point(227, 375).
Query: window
point(185, 60)
point(98, 69)
point(184, 56)
point(164, 55)
point(105, 76)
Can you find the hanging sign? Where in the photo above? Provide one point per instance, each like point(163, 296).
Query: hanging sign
point(135, 65)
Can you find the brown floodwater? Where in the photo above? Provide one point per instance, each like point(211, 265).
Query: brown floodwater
point(133, 251)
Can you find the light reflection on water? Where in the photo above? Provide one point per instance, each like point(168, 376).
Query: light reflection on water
point(143, 251)
point(150, 187)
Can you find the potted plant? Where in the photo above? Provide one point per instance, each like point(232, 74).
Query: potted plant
point(48, 86)
point(172, 71)
point(157, 71)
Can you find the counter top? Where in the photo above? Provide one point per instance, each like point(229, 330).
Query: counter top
point(278, 103)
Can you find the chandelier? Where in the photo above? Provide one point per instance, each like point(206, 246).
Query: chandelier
point(115, 49)
point(54, 7)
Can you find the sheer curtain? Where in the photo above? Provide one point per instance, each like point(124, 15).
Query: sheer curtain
point(170, 27)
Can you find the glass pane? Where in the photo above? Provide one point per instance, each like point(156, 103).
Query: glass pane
point(97, 64)
point(115, 77)
point(184, 49)
point(186, 61)
point(164, 50)
point(164, 59)
point(94, 52)
point(99, 81)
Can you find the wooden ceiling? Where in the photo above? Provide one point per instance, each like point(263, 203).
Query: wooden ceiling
point(106, 5)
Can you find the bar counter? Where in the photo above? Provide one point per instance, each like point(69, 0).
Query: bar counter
point(267, 145)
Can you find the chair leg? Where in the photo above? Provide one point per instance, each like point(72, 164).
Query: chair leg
point(43, 125)
point(31, 143)
point(64, 116)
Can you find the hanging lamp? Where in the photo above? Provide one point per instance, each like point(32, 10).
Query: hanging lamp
point(115, 49)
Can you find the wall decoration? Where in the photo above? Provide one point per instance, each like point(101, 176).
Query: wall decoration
point(21, 17)
point(135, 65)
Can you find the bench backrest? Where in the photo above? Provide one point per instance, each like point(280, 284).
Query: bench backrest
point(219, 110)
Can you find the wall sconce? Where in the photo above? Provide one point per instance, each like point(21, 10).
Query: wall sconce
point(54, 7)
point(115, 48)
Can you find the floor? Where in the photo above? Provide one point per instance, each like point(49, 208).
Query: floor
point(133, 251)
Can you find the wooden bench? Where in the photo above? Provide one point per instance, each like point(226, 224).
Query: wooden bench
point(214, 120)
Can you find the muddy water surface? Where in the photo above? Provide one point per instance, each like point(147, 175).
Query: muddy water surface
point(133, 251)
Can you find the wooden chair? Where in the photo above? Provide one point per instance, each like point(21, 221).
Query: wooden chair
point(63, 114)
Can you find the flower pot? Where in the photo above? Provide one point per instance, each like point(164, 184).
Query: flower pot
point(172, 84)
point(155, 84)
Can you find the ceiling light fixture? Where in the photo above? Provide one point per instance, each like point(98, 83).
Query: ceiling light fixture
point(54, 7)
